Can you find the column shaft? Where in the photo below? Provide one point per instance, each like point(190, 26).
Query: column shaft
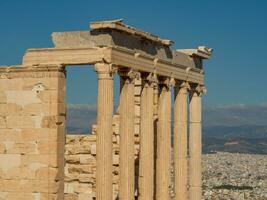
point(104, 164)
point(146, 155)
point(163, 156)
point(180, 142)
point(126, 184)
point(195, 147)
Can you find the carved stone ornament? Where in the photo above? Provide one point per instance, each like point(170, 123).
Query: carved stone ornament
point(201, 89)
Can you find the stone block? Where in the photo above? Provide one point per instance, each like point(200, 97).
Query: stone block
point(52, 83)
point(70, 177)
point(49, 173)
point(3, 195)
point(116, 129)
point(87, 178)
point(136, 128)
point(57, 196)
point(80, 169)
point(52, 160)
point(88, 138)
point(9, 162)
point(44, 109)
point(12, 174)
point(28, 172)
point(13, 135)
point(93, 149)
point(137, 120)
point(21, 147)
point(38, 186)
point(14, 109)
point(68, 196)
point(137, 100)
point(83, 188)
point(36, 109)
point(116, 160)
point(10, 186)
point(38, 134)
point(69, 188)
point(3, 98)
point(85, 196)
point(51, 96)
point(13, 84)
point(50, 147)
point(23, 121)
point(3, 109)
point(78, 149)
point(2, 148)
point(4, 82)
point(86, 159)
point(22, 97)
point(114, 138)
point(21, 196)
point(53, 121)
point(73, 159)
point(118, 139)
point(3, 122)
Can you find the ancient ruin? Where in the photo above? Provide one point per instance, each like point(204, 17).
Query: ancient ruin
point(129, 155)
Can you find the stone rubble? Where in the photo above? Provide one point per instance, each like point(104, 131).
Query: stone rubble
point(226, 176)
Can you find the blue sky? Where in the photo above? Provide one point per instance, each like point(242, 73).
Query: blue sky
point(236, 30)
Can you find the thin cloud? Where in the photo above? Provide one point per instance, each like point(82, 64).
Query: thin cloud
point(82, 106)
point(235, 115)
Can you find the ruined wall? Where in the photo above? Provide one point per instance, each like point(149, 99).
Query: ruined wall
point(32, 132)
point(32, 139)
point(80, 168)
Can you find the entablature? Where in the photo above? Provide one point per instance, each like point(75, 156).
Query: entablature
point(123, 46)
point(120, 57)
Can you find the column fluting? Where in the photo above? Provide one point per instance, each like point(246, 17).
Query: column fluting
point(126, 111)
point(163, 145)
point(104, 159)
point(195, 144)
point(180, 140)
point(146, 154)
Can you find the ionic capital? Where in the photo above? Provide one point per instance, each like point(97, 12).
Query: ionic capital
point(183, 85)
point(167, 82)
point(105, 70)
point(200, 90)
point(129, 74)
point(151, 79)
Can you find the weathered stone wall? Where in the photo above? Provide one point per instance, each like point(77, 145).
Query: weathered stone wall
point(80, 168)
point(32, 139)
point(32, 129)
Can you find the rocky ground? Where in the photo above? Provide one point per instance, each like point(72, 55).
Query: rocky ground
point(229, 176)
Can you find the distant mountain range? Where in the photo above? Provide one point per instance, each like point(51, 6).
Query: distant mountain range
point(233, 128)
point(235, 139)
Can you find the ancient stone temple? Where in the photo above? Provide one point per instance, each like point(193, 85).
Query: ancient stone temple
point(135, 158)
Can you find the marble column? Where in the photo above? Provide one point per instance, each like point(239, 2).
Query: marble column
point(163, 152)
point(104, 159)
point(180, 141)
point(126, 111)
point(146, 154)
point(195, 144)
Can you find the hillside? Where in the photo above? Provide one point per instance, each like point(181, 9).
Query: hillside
point(240, 139)
point(235, 128)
